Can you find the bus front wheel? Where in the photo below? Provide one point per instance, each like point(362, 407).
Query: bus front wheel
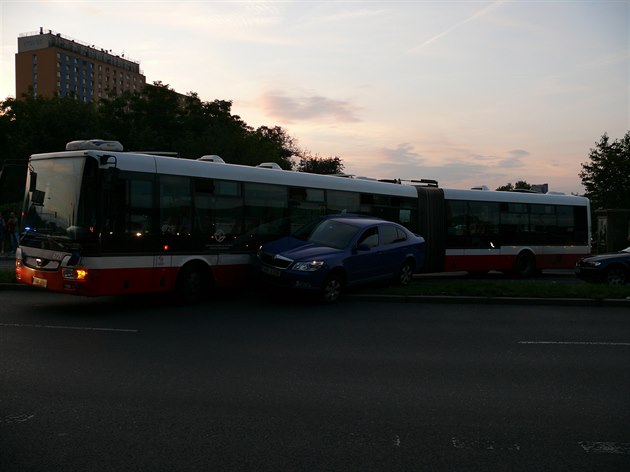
point(190, 286)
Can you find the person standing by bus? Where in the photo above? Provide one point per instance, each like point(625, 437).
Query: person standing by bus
point(3, 233)
point(12, 229)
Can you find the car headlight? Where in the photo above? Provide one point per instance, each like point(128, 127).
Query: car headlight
point(309, 266)
point(594, 264)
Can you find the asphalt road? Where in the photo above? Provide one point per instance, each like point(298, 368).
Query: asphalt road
point(259, 385)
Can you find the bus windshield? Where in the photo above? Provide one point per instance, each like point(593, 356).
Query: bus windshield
point(60, 205)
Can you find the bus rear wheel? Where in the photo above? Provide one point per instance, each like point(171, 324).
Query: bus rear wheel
point(525, 264)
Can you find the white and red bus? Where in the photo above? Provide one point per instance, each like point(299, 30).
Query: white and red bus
point(100, 221)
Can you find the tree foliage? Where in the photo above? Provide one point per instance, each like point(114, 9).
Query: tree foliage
point(155, 119)
point(606, 177)
point(519, 185)
point(319, 165)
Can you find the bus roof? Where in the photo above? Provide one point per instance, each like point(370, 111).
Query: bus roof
point(514, 197)
point(149, 163)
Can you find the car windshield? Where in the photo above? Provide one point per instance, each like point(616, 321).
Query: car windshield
point(333, 234)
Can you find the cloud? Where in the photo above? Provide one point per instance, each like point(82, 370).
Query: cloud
point(457, 168)
point(513, 159)
point(402, 155)
point(312, 107)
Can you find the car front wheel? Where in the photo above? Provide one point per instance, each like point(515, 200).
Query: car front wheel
point(617, 276)
point(332, 288)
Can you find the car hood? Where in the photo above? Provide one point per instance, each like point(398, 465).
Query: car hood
point(610, 255)
point(298, 249)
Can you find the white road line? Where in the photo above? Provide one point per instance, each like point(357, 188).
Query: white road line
point(13, 419)
point(598, 447)
point(483, 445)
point(78, 328)
point(587, 343)
point(590, 447)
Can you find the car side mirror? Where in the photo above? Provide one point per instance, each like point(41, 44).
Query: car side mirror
point(363, 247)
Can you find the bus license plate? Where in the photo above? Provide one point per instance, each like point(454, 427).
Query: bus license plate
point(40, 282)
point(271, 271)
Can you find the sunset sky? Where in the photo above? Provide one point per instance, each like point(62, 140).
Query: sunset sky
point(464, 92)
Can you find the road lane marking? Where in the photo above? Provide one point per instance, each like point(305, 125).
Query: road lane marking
point(14, 419)
point(77, 328)
point(583, 343)
point(483, 445)
point(604, 447)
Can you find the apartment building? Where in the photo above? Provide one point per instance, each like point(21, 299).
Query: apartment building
point(56, 65)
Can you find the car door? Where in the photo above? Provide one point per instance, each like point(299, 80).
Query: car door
point(364, 262)
point(393, 248)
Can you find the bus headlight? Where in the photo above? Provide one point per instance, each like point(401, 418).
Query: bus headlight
point(75, 274)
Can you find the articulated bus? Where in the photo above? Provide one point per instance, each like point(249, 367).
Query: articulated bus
point(100, 221)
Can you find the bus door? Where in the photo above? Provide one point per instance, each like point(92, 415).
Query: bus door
point(164, 273)
point(130, 237)
point(483, 248)
point(472, 236)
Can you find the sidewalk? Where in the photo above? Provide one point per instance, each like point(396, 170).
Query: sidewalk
point(7, 261)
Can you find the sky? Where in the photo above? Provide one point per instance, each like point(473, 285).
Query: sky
point(464, 92)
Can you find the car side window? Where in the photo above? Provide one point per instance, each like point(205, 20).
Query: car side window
point(369, 237)
point(392, 234)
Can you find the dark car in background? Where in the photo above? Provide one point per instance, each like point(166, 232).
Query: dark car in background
point(342, 251)
point(612, 268)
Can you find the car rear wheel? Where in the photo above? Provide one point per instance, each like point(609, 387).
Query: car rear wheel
point(333, 288)
point(617, 276)
point(406, 273)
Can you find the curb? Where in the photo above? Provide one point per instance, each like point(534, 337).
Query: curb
point(493, 300)
point(441, 299)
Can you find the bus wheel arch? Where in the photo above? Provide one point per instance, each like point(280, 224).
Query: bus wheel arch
point(525, 264)
point(192, 283)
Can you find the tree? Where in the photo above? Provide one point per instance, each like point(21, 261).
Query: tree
point(154, 119)
point(519, 185)
point(606, 177)
point(319, 165)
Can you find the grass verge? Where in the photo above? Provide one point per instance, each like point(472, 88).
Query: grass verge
point(508, 288)
point(7, 276)
point(480, 288)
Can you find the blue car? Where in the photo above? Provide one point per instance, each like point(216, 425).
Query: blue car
point(342, 251)
point(612, 268)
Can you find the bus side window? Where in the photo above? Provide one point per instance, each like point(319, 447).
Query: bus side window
point(129, 226)
point(456, 224)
